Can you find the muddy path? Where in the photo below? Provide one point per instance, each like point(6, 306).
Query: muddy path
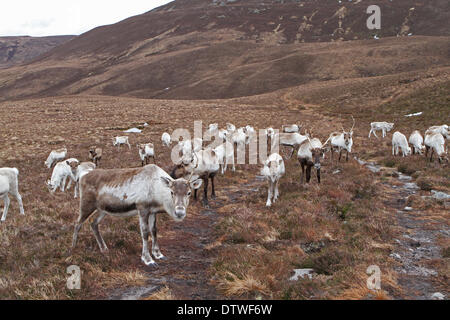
point(416, 238)
point(186, 271)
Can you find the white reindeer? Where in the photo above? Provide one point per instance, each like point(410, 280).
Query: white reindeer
point(144, 192)
point(291, 128)
point(55, 156)
point(119, 141)
point(83, 169)
point(416, 140)
point(166, 139)
point(273, 170)
point(436, 142)
point(341, 141)
point(146, 151)
point(443, 129)
point(9, 184)
point(383, 126)
point(225, 154)
point(62, 171)
point(292, 140)
point(399, 141)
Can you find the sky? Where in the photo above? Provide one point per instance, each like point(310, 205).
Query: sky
point(61, 17)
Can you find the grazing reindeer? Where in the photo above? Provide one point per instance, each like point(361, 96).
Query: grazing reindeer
point(146, 151)
point(95, 155)
point(273, 170)
point(309, 154)
point(341, 141)
point(205, 164)
point(435, 142)
point(9, 184)
point(416, 140)
point(144, 192)
point(166, 140)
point(399, 140)
point(383, 126)
point(63, 170)
point(443, 129)
point(55, 156)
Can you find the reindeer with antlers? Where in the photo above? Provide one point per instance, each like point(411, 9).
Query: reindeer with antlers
point(341, 141)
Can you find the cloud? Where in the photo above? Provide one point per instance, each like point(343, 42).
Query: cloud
point(55, 17)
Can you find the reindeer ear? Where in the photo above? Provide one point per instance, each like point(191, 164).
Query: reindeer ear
point(166, 181)
point(196, 184)
point(68, 163)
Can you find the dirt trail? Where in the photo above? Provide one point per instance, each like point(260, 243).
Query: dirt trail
point(416, 238)
point(186, 271)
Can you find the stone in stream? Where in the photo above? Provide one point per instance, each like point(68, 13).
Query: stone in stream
point(411, 186)
point(301, 273)
point(437, 296)
point(440, 195)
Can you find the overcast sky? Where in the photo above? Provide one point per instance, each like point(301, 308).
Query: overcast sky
point(61, 17)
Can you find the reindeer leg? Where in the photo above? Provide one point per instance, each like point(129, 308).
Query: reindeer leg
point(98, 236)
point(431, 156)
point(308, 173)
point(213, 195)
point(154, 232)
point(346, 159)
point(143, 223)
point(85, 213)
point(5, 209)
point(340, 155)
point(276, 193)
point(318, 176)
point(303, 172)
point(269, 193)
point(205, 192)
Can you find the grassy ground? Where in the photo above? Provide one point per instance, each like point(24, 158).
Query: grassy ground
point(338, 228)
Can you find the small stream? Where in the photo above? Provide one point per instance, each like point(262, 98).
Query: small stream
point(417, 243)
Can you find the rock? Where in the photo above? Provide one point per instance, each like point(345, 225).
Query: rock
point(337, 171)
point(395, 256)
point(301, 273)
point(440, 195)
point(408, 209)
point(133, 130)
point(437, 296)
point(411, 186)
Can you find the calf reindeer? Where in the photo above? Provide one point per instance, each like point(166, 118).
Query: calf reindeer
point(144, 192)
point(273, 170)
point(119, 141)
point(146, 151)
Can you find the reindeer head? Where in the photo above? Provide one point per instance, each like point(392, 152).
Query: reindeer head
point(317, 153)
point(180, 192)
point(92, 152)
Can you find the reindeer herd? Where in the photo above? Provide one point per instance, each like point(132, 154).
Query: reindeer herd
point(149, 190)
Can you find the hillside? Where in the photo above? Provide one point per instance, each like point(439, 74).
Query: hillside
point(203, 49)
point(17, 50)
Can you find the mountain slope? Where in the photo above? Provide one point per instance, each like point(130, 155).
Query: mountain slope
point(17, 50)
point(203, 49)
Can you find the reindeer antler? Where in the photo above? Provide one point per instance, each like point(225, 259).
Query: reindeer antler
point(351, 130)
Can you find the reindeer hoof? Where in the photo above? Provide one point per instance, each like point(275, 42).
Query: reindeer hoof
point(152, 265)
